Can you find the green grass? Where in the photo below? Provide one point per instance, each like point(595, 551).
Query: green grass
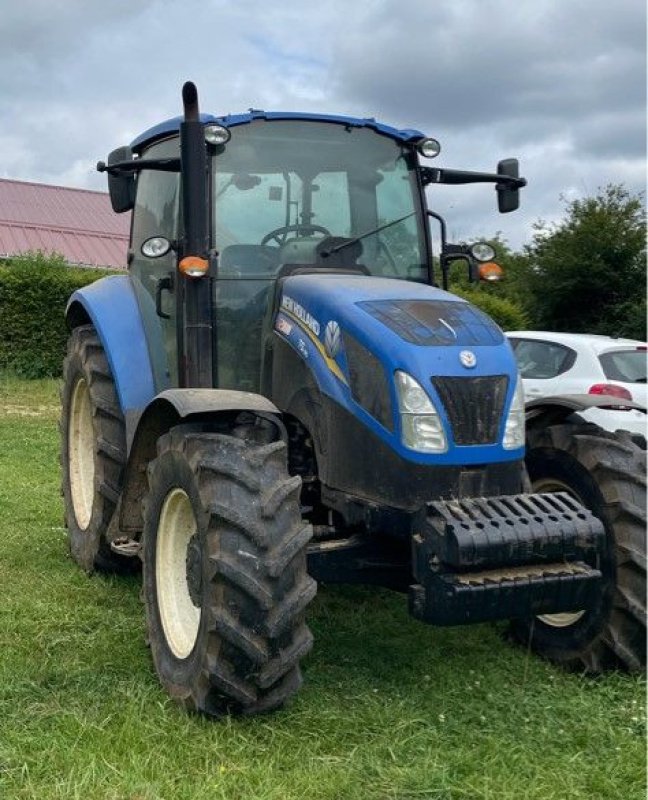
point(390, 708)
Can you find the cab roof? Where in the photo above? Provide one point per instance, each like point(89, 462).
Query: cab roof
point(172, 126)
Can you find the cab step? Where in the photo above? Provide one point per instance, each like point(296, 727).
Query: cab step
point(126, 547)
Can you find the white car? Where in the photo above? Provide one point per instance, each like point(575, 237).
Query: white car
point(578, 363)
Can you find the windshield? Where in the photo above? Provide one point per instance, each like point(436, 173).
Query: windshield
point(281, 187)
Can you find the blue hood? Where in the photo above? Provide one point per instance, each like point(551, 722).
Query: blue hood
point(397, 325)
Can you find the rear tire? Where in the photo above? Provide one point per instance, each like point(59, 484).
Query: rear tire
point(93, 452)
point(225, 582)
point(607, 473)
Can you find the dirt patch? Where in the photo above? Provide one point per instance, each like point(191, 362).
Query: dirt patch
point(14, 410)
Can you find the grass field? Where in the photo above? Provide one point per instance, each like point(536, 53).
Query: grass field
point(390, 708)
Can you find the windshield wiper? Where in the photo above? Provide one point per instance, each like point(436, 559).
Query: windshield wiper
point(348, 242)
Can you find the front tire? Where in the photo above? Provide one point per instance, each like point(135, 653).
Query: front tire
point(224, 570)
point(93, 452)
point(607, 473)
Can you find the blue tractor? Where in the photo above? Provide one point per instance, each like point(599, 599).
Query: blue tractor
point(278, 392)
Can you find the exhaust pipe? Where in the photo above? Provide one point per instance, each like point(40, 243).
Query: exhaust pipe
point(195, 319)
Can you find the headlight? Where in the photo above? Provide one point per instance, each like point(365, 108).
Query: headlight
point(421, 425)
point(155, 247)
point(515, 422)
point(217, 134)
point(429, 148)
point(482, 251)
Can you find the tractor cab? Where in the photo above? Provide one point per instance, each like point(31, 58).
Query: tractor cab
point(284, 195)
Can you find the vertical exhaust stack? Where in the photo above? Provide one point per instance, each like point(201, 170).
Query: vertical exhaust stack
point(193, 153)
point(195, 327)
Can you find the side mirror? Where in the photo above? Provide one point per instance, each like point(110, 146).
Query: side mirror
point(122, 185)
point(508, 197)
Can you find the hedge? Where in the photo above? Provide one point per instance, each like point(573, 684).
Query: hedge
point(34, 290)
point(508, 315)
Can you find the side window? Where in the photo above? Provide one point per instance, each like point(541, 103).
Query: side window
point(627, 366)
point(540, 360)
point(156, 213)
point(156, 202)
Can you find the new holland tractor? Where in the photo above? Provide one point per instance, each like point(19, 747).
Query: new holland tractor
point(281, 391)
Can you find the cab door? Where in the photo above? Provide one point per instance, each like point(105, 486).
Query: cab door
point(156, 213)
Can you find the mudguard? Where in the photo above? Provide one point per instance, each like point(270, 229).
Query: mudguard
point(169, 408)
point(554, 410)
point(110, 304)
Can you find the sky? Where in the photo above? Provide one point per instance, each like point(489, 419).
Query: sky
point(559, 84)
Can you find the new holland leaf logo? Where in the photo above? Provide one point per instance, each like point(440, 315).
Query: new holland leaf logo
point(468, 358)
point(332, 338)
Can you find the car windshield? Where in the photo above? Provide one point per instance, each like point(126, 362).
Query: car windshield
point(281, 187)
point(627, 366)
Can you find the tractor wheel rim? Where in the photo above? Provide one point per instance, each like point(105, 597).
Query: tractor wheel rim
point(81, 454)
point(563, 620)
point(566, 618)
point(179, 615)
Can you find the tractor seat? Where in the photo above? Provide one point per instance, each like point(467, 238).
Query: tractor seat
point(310, 249)
point(304, 256)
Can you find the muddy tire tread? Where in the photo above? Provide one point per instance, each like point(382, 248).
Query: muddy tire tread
point(86, 358)
point(617, 467)
point(247, 657)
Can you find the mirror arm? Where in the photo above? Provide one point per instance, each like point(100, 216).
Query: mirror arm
point(124, 167)
point(456, 176)
point(443, 260)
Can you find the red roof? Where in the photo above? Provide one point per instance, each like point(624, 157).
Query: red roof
point(77, 223)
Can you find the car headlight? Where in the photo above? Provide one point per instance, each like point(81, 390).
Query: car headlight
point(421, 425)
point(515, 422)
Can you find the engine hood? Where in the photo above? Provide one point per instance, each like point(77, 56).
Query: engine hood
point(356, 331)
point(407, 325)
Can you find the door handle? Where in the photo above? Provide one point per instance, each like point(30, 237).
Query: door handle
point(162, 285)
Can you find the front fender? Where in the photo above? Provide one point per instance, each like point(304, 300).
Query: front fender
point(111, 306)
point(166, 410)
point(554, 410)
point(188, 402)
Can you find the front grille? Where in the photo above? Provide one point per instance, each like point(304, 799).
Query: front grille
point(474, 406)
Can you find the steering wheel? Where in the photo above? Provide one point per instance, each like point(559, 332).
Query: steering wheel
point(279, 235)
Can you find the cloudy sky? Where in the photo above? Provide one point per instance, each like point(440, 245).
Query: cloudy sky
point(560, 84)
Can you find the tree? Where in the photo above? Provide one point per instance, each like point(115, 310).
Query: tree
point(587, 272)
